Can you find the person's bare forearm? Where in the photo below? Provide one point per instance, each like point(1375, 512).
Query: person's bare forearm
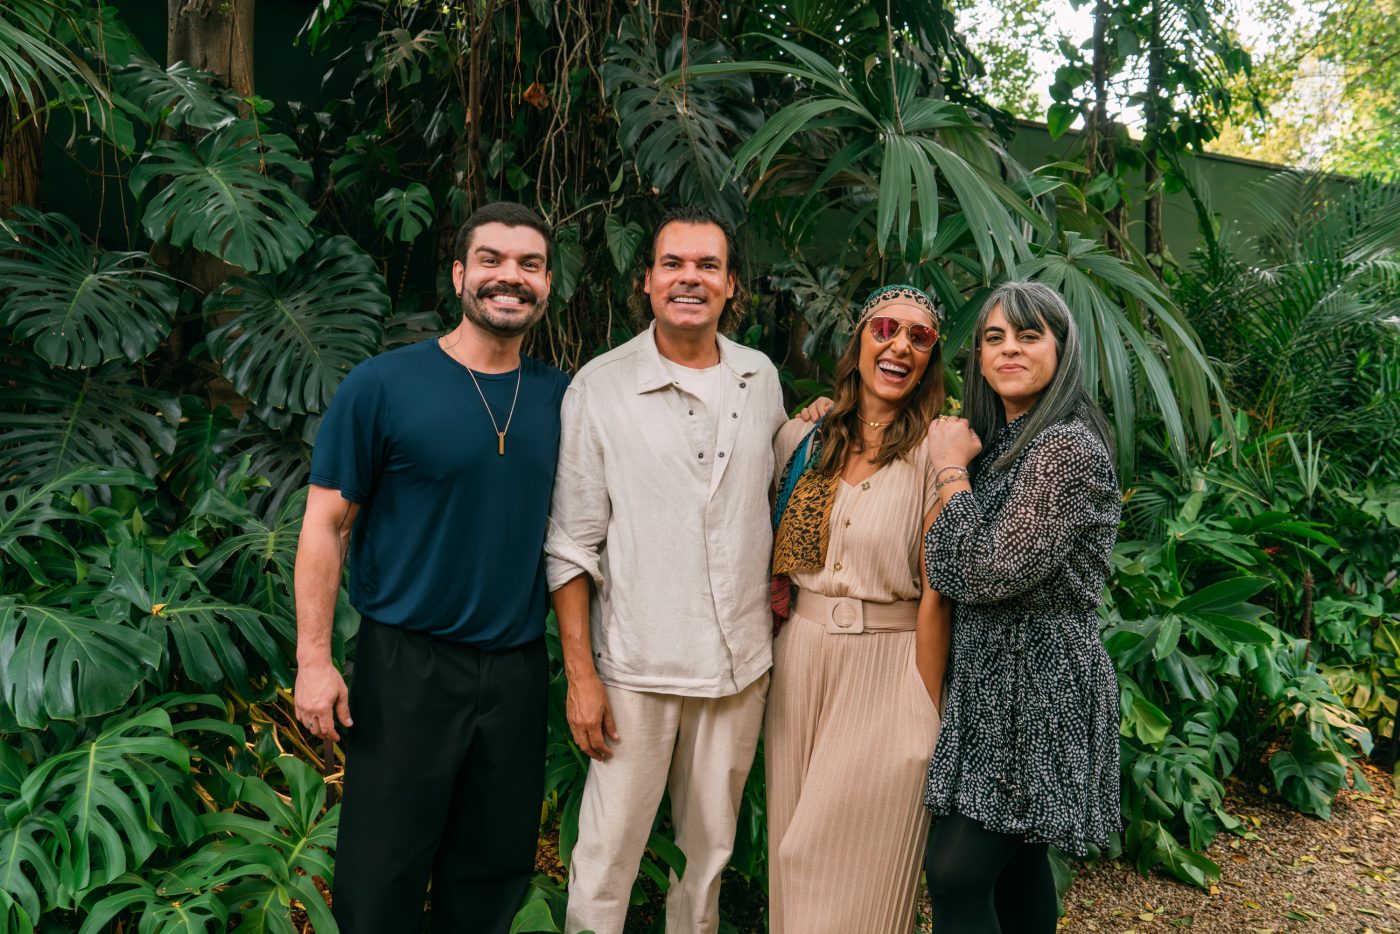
point(932, 640)
point(589, 714)
point(320, 560)
point(571, 610)
point(321, 694)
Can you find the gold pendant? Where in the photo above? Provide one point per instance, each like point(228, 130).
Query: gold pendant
point(501, 443)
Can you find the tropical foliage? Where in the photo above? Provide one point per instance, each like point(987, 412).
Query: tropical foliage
point(165, 373)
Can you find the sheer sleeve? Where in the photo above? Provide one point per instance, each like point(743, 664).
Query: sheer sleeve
point(1063, 491)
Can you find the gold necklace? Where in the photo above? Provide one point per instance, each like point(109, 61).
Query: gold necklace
point(500, 432)
point(872, 423)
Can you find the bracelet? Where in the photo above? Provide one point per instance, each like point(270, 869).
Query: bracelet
point(942, 483)
point(942, 470)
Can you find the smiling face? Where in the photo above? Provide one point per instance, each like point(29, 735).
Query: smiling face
point(1017, 364)
point(889, 372)
point(690, 282)
point(504, 280)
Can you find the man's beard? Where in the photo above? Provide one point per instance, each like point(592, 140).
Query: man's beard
point(502, 323)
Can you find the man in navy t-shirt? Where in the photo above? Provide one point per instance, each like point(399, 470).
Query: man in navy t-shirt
point(441, 456)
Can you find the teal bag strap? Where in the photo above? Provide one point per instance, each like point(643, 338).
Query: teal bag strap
point(807, 451)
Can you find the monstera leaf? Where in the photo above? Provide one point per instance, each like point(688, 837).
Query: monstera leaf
point(31, 515)
point(56, 664)
point(222, 198)
point(20, 848)
point(404, 213)
point(97, 796)
point(57, 420)
point(190, 625)
point(679, 135)
point(79, 305)
point(178, 96)
point(201, 447)
point(271, 860)
point(297, 334)
point(164, 903)
point(282, 457)
point(260, 555)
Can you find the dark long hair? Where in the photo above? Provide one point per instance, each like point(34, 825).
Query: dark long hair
point(1032, 306)
point(841, 431)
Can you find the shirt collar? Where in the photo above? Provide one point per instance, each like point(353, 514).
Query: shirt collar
point(652, 373)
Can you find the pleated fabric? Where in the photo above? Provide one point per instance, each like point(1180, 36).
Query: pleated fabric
point(848, 735)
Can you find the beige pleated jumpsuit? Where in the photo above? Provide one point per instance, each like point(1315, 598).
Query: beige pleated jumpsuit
point(850, 727)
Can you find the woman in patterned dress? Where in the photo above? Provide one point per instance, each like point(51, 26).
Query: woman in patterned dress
point(1028, 753)
point(851, 716)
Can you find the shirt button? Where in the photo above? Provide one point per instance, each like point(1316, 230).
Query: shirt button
point(701, 455)
point(721, 453)
point(836, 566)
point(733, 414)
point(742, 384)
point(692, 411)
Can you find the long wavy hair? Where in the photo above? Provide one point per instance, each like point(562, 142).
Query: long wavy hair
point(1031, 306)
point(841, 434)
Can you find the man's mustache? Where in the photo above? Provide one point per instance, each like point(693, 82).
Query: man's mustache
point(520, 292)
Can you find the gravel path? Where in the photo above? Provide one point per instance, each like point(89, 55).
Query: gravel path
point(1300, 873)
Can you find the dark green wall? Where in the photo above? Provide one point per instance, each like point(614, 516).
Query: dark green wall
point(1222, 180)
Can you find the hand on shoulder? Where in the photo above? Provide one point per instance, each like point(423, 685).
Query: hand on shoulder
point(816, 409)
point(952, 442)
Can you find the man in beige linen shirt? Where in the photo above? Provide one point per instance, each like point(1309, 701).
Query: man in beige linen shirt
point(661, 511)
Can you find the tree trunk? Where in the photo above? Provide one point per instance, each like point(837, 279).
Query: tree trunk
point(1099, 131)
point(21, 155)
point(1152, 118)
point(476, 78)
point(214, 36)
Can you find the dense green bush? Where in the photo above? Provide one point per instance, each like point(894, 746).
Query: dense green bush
point(154, 436)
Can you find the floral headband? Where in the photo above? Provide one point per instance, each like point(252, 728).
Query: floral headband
point(905, 294)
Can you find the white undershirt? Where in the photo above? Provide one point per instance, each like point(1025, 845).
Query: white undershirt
point(705, 385)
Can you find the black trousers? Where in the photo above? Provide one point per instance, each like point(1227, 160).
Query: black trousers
point(444, 775)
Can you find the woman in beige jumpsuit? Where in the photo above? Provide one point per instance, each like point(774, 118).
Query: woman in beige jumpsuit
point(851, 719)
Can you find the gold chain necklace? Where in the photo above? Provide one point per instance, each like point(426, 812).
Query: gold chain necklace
point(500, 432)
point(872, 423)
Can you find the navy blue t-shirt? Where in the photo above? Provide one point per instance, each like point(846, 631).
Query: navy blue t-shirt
point(450, 536)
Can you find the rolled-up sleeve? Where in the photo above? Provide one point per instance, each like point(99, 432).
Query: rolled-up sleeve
point(578, 520)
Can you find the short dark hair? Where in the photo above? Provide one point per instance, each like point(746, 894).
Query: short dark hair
point(511, 214)
point(738, 307)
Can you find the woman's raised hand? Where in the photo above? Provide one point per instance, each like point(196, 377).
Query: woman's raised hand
point(952, 442)
point(819, 407)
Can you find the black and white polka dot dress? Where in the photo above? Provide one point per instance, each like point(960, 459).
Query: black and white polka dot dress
point(1029, 742)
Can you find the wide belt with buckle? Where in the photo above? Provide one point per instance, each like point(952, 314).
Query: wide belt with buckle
point(843, 615)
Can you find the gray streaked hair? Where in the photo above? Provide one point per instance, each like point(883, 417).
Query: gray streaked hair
point(1032, 306)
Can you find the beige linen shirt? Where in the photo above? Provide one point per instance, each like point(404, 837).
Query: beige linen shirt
point(670, 518)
